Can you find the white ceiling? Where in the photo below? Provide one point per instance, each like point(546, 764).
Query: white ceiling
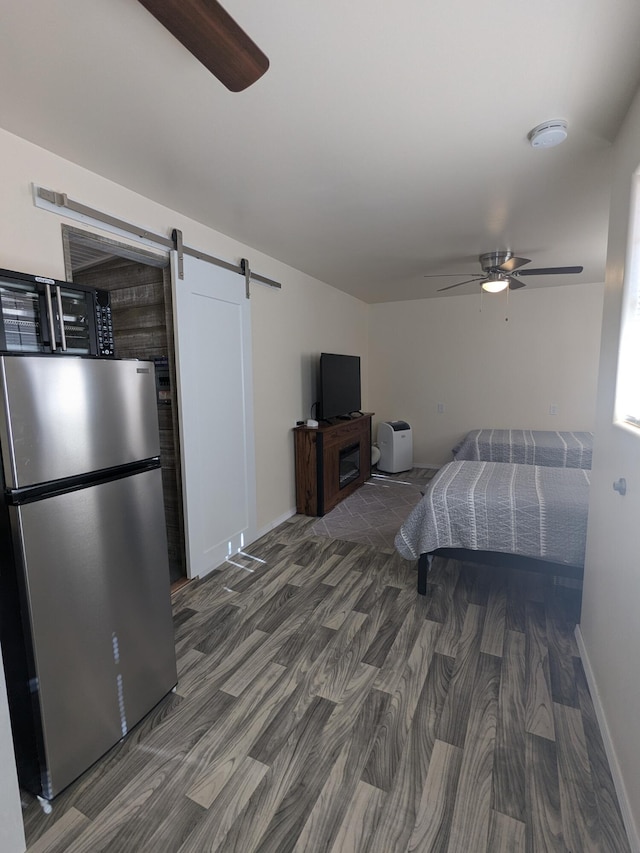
point(387, 140)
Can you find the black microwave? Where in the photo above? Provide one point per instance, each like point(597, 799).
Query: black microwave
point(43, 315)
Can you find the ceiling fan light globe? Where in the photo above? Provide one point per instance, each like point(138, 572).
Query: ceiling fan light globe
point(495, 284)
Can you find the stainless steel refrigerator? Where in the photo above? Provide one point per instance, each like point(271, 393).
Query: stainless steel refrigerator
point(85, 610)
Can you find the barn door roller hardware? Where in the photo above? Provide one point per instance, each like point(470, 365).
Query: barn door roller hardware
point(48, 199)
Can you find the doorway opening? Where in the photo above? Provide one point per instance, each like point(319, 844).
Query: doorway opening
point(139, 282)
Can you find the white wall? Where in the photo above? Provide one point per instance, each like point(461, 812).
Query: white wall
point(290, 330)
point(609, 626)
point(486, 370)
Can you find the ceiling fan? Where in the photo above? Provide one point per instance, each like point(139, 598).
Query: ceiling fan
point(214, 38)
point(501, 270)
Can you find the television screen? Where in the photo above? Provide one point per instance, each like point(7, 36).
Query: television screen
point(339, 385)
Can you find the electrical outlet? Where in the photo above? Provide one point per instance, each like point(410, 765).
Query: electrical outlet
point(440, 407)
point(553, 409)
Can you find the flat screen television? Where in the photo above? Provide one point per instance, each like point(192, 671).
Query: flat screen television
point(339, 385)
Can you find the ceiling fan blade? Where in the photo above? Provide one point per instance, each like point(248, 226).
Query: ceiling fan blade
point(477, 278)
point(214, 38)
point(445, 274)
point(513, 264)
point(552, 271)
point(514, 284)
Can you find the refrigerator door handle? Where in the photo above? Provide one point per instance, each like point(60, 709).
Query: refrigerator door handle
point(52, 330)
point(63, 337)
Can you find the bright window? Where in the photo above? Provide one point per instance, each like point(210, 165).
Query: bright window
point(627, 409)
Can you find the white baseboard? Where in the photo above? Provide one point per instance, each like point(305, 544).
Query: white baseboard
point(280, 520)
point(618, 781)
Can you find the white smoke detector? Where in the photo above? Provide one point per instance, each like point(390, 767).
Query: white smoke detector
point(548, 134)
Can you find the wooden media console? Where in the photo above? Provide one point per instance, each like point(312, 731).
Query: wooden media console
point(332, 461)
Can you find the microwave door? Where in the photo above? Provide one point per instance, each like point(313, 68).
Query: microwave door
point(75, 315)
point(25, 324)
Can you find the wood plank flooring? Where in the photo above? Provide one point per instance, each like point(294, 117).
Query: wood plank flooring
point(324, 706)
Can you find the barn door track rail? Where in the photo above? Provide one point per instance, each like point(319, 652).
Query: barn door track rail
point(51, 200)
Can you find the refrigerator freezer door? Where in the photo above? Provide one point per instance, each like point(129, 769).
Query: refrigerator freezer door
point(96, 577)
point(64, 417)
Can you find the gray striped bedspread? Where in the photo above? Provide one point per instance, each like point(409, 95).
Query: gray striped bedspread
point(529, 510)
point(527, 447)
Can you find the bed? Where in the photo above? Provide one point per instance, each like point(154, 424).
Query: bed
point(500, 508)
point(527, 447)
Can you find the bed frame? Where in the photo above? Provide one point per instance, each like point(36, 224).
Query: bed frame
point(496, 559)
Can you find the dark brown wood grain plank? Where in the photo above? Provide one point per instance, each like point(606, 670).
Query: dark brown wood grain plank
point(509, 758)
point(265, 584)
point(337, 662)
point(493, 633)
point(179, 821)
point(470, 821)
point(216, 628)
point(206, 674)
point(359, 822)
point(386, 752)
point(372, 592)
point(234, 734)
point(399, 813)
point(277, 732)
point(176, 733)
point(340, 668)
point(433, 822)
point(252, 823)
point(297, 804)
point(328, 812)
point(543, 818)
point(515, 611)
point(397, 656)
point(385, 637)
point(562, 649)
point(213, 825)
point(342, 599)
point(455, 714)
point(455, 614)
point(538, 706)
point(62, 834)
point(302, 647)
point(580, 822)
point(506, 835)
point(150, 794)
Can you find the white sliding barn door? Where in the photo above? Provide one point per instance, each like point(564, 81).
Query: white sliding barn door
point(213, 354)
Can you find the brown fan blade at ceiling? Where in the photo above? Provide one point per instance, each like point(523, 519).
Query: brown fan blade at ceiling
point(214, 38)
point(514, 284)
point(513, 264)
point(477, 278)
point(552, 271)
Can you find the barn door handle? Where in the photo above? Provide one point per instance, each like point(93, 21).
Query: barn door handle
point(620, 486)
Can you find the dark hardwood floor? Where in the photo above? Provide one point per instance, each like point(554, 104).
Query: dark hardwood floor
point(324, 706)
